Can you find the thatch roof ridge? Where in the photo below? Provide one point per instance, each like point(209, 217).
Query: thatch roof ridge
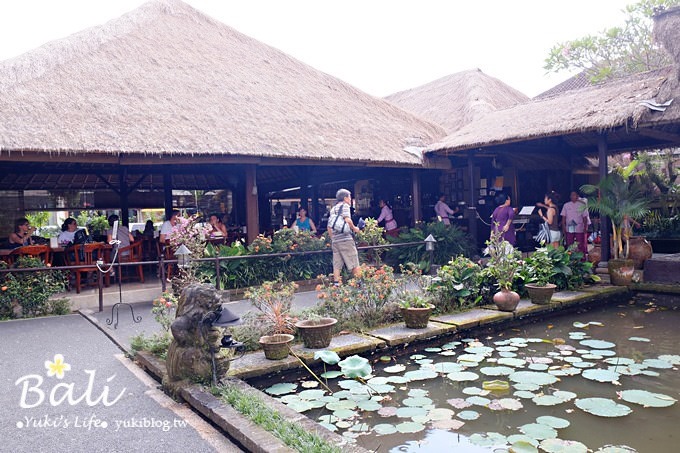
point(457, 99)
point(166, 78)
point(592, 108)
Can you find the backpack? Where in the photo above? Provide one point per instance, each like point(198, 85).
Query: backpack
point(336, 222)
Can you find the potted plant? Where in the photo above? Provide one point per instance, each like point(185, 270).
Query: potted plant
point(538, 269)
point(622, 199)
point(316, 332)
point(273, 300)
point(503, 265)
point(416, 309)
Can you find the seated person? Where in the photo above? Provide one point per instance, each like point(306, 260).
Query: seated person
point(303, 222)
point(22, 234)
point(123, 234)
point(168, 226)
point(149, 230)
point(218, 228)
point(68, 232)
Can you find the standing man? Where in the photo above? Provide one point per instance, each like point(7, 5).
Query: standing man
point(575, 221)
point(443, 210)
point(340, 228)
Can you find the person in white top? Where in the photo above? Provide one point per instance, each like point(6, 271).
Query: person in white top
point(443, 210)
point(168, 225)
point(386, 215)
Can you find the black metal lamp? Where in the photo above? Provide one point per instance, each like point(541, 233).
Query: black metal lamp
point(221, 317)
point(430, 241)
point(183, 256)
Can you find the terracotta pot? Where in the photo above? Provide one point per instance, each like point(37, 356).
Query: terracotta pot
point(416, 318)
point(540, 295)
point(316, 333)
point(621, 271)
point(640, 250)
point(506, 300)
point(276, 347)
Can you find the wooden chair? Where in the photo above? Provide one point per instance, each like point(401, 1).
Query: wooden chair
point(39, 251)
point(168, 253)
point(85, 256)
point(133, 253)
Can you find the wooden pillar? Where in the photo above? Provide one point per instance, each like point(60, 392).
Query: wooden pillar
point(472, 207)
point(304, 190)
point(417, 197)
point(124, 199)
point(604, 220)
point(315, 214)
point(167, 192)
point(252, 215)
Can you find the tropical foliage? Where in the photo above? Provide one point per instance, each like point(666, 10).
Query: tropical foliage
point(27, 294)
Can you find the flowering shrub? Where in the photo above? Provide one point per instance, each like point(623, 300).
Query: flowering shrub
point(27, 294)
point(164, 309)
point(190, 233)
point(371, 234)
point(362, 300)
point(274, 300)
point(457, 284)
point(504, 261)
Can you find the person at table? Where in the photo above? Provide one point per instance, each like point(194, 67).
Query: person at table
point(386, 215)
point(168, 226)
point(22, 233)
point(303, 222)
point(68, 232)
point(443, 210)
point(122, 233)
point(219, 229)
point(501, 219)
point(149, 230)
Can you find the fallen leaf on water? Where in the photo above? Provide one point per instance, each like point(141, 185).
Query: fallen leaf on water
point(550, 326)
point(638, 327)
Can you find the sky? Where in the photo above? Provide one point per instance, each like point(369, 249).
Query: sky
point(379, 46)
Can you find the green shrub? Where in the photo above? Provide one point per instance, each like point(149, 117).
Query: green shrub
point(27, 294)
point(157, 344)
point(457, 285)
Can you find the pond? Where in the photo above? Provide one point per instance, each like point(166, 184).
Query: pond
point(603, 377)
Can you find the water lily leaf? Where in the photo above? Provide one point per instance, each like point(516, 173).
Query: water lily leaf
point(538, 431)
point(449, 425)
point(309, 384)
point(538, 366)
point(348, 384)
point(603, 407)
point(342, 404)
point(300, 406)
point(384, 429)
point(524, 394)
point(647, 399)
point(507, 348)
point(533, 377)
point(478, 401)
point(440, 413)
point(420, 401)
point(345, 413)
point(417, 356)
point(619, 361)
point(600, 375)
point(471, 359)
point(424, 361)
point(475, 391)
point(497, 370)
point(591, 356)
point(432, 350)
point(329, 357)
point(415, 393)
point(641, 339)
point(281, 389)
point(355, 366)
point(382, 388)
point(289, 398)
point(564, 395)
point(650, 373)
point(329, 427)
point(451, 345)
point(410, 427)
point(584, 365)
point(509, 404)
point(311, 394)
point(328, 418)
point(606, 352)
point(572, 360)
point(387, 411)
point(397, 379)
point(629, 370)
point(331, 374)
point(496, 385)
point(458, 403)
point(523, 446)
point(597, 344)
point(360, 428)
point(526, 386)
point(513, 362)
point(579, 325)
point(395, 368)
point(553, 422)
point(507, 354)
point(448, 353)
point(673, 359)
point(462, 376)
point(515, 438)
point(479, 350)
point(547, 400)
point(408, 412)
point(420, 375)
point(566, 371)
point(448, 367)
point(562, 446)
point(468, 415)
point(616, 449)
point(657, 363)
point(488, 439)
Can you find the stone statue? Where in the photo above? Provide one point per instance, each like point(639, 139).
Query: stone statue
point(189, 353)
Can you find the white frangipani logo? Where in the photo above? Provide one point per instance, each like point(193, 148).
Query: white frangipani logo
point(57, 367)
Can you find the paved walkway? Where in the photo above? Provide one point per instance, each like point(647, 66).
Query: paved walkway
point(103, 403)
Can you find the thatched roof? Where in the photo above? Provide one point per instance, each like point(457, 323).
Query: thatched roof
point(458, 99)
point(580, 80)
point(591, 109)
point(167, 80)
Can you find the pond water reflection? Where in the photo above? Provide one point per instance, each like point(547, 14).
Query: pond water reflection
point(436, 401)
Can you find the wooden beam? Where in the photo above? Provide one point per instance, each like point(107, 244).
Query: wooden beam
point(416, 196)
point(674, 139)
point(604, 220)
point(252, 216)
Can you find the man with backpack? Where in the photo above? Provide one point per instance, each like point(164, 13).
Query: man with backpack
point(340, 228)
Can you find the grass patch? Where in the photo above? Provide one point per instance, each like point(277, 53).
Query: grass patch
point(255, 409)
point(157, 344)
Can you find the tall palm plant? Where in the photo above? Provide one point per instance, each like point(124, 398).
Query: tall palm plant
point(620, 197)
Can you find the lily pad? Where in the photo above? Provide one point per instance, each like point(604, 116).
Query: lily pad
point(281, 389)
point(657, 363)
point(616, 449)
point(496, 385)
point(603, 407)
point(640, 339)
point(342, 404)
point(468, 415)
point(479, 350)
point(448, 425)
point(478, 401)
point(311, 394)
point(647, 399)
point(597, 344)
point(345, 413)
point(496, 370)
point(440, 413)
point(462, 376)
point(420, 375)
point(509, 404)
point(408, 412)
point(523, 446)
point(448, 367)
point(524, 394)
point(533, 377)
point(553, 422)
point(420, 401)
point(564, 395)
point(562, 446)
point(511, 361)
point(538, 431)
point(471, 359)
point(537, 366)
point(300, 406)
point(673, 359)
point(331, 374)
point(355, 366)
point(475, 391)
point(395, 368)
point(329, 357)
point(409, 427)
point(387, 411)
point(329, 427)
point(600, 375)
point(458, 403)
point(547, 400)
point(433, 349)
point(369, 405)
point(384, 429)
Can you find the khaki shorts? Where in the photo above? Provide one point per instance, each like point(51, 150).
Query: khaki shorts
point(345, 252)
